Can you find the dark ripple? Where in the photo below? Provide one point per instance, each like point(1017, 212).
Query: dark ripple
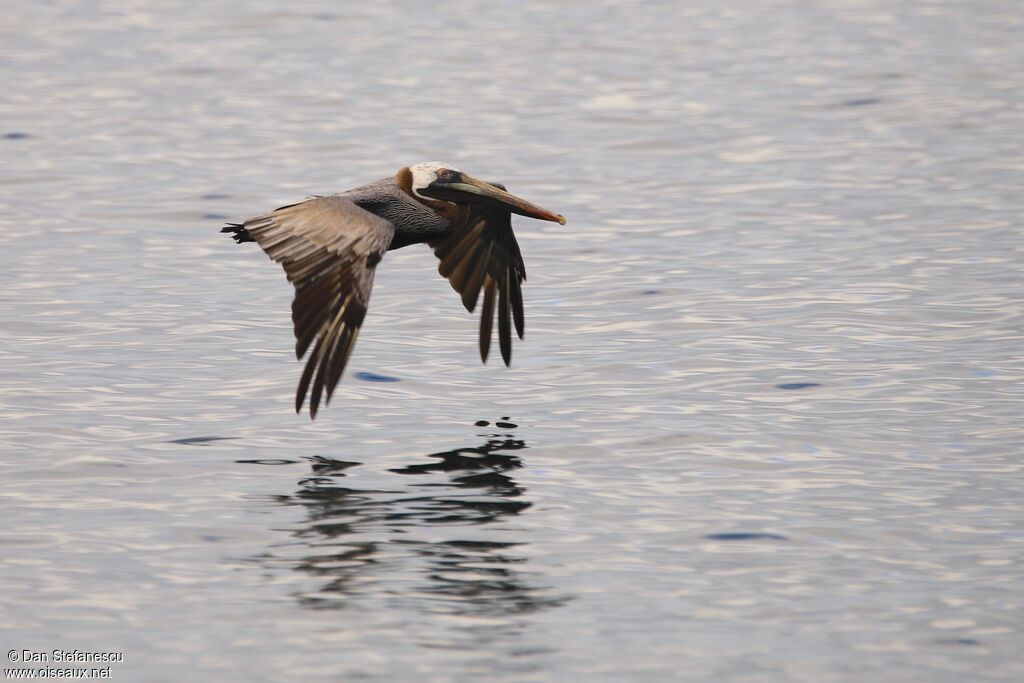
point(200, 440)
point(860, 102)
point(971, 642)
point(371, 377)
point(793, 386)
point(322, 465)
point(745, 536)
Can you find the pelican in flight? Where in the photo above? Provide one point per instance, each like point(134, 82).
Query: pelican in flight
point(330, 247)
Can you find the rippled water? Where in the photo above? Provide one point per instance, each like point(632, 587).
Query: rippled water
point(766, 423)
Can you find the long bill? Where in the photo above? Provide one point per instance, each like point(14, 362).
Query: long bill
point(485, 193)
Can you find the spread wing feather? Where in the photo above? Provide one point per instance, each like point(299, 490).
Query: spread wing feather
point(483, 254)
point(329, 248)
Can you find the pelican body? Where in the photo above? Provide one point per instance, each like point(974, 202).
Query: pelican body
point(330, 247)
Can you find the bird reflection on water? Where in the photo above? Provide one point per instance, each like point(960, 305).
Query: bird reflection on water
point(385, 543)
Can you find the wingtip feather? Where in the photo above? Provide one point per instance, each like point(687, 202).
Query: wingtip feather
point(486, 319)
point(504, 331)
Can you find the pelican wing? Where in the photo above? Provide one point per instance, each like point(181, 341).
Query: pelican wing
point(329, 248)
point(483, 255)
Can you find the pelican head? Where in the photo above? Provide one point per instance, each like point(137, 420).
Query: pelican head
point(440, 181)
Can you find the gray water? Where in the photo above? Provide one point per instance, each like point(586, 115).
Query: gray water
point(766, 423)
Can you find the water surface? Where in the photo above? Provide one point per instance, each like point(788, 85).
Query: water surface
point(765, 424)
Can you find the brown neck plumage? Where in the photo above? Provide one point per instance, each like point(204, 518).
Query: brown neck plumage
point(456, 213)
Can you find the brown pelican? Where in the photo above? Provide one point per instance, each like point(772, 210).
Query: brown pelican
point(330, 246)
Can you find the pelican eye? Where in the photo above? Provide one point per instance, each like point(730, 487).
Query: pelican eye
point(445, 174)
